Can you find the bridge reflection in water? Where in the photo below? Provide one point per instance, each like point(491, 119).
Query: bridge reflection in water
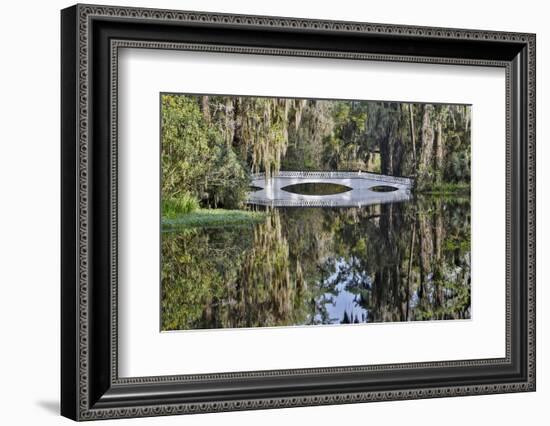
point(364, 189)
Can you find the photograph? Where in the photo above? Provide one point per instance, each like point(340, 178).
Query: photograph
point(263, 208)
point(280, 211)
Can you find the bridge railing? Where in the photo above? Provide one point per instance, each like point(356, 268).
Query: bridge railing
point(328, 203)
point(337, 175)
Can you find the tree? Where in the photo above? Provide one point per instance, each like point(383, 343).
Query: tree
point(195, 159)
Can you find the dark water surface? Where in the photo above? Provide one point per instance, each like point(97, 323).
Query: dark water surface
point(405, 261)
point(316, 188)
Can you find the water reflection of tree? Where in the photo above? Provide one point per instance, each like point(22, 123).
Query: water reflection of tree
point(417, 256)
point(244, 278)
point(197, 266)
point(403, 262)
point(270, 290)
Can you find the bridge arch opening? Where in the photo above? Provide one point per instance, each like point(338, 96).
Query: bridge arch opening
point(383, 188)
point(316, 188)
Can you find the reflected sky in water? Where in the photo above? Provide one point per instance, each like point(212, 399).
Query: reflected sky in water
point(344, 306)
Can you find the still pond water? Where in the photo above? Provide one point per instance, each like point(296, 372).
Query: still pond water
point(407, 261)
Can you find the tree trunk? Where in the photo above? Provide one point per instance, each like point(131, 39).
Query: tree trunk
point(413, 134)
point(439, 152)
point(409, 272)
point(439, 236)
point(386, 160)
point(205, 109)
point(426, 239)
point(397, 157)
point(237, 129)
point(439, 229)
point(426, 158)
point(229, 121)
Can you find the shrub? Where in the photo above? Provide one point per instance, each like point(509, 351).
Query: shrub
point(177, 206)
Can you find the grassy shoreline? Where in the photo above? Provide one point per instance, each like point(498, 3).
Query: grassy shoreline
point(213, 218)
point(446, 189)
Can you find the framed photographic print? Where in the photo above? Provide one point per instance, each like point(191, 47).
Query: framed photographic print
point(263, 212)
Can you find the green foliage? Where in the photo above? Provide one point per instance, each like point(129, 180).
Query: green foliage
point(264, 131)
point(185, 147)
point(183, 204)
point(455, 243)
point(348, 147)
point(195, 159)
point(458, 166)
point(446, 188)
point(211, 218)
point(256, 128)
point(306, 140)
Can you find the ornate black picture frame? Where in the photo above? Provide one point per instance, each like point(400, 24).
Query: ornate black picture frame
point(91, 36)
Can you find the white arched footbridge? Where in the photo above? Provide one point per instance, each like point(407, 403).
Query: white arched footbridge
point(363, 189)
